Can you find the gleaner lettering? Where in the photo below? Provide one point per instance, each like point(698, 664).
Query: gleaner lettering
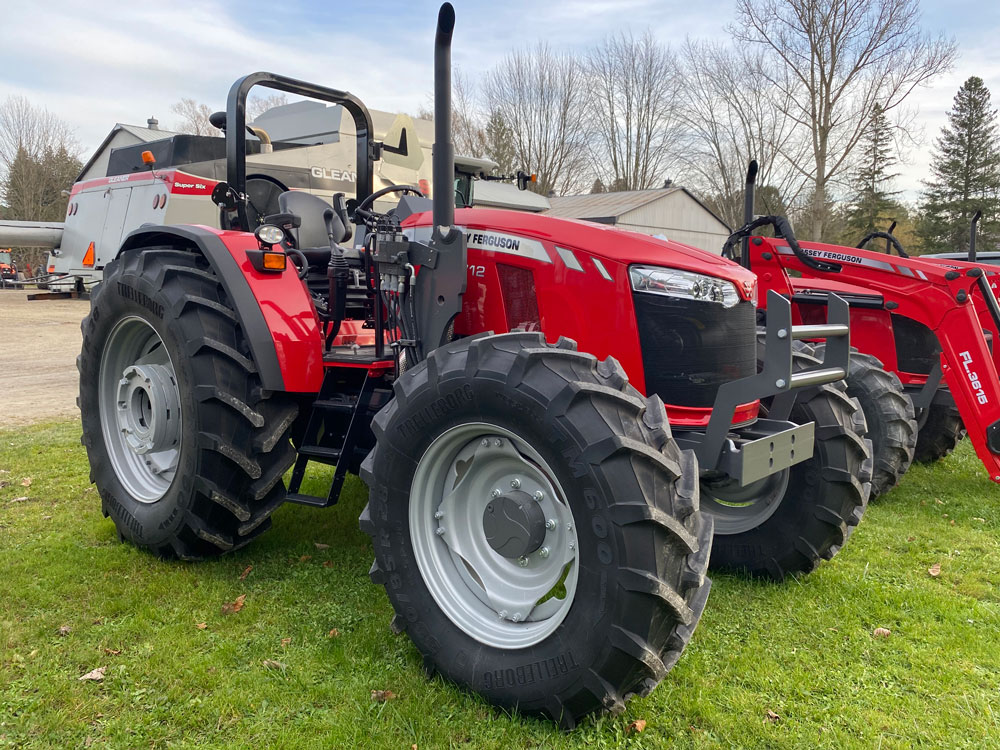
point(494, 240)
point(973, 377)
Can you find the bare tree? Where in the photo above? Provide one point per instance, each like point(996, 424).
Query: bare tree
point(634, 88)
point(541, 96)
point(833, 60)
point(732, 115)
point(29, 130)
point(258, 105)
point(194, 117)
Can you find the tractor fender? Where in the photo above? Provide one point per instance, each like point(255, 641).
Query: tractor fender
point(283, 336)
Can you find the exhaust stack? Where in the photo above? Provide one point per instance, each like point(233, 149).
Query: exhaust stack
point(749, 195)
point(444, 151)
point(972, 235)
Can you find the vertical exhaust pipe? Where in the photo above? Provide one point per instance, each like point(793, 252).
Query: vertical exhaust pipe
point(443, 154)
point(749, 195)
point(972, 235)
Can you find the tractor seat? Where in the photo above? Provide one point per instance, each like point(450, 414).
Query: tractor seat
point(310, 236)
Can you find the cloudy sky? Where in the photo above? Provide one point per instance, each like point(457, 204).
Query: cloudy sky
point(96, 63)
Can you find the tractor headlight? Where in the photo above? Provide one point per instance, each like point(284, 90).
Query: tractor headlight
point(671, 282)
point(269, 234)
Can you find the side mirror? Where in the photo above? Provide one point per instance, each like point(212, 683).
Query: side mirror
point(523, 178)
point(224, 197)
point(401, 146)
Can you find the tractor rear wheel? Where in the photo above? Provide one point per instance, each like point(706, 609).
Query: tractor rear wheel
point(941, 429)
point(535, 525)
point(892, 426)
point(186, 448)
point(788, 522)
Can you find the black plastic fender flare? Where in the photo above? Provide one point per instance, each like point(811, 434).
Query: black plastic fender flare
point(233, 281)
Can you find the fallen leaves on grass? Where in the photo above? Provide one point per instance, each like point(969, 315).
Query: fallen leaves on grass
point(381, 696)
point(304, 558)
point(201, 625)
point(881, 632)
point(232, 607)
point(246, 572)
point(770, 717)
point(977, 518)
point(285, 642)
point(26, 482)
point(636, 726)
point(934, 570)
point(327, 564)
point(334, 633)
point(112, 651)
point(21, 499)
point(320, 545)
point(64, 630)
point(272, 664)
point(95, 675)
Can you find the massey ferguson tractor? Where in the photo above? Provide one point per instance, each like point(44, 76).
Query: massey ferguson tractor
point(925, 329)
point(550, 415)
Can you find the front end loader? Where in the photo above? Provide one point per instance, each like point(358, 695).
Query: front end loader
point(541, 409)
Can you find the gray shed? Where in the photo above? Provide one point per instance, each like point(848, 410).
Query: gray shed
point(674, 212)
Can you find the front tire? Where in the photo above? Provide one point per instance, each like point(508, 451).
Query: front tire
point(806, 513)
point(185, 447)
point(593, 586)
point(941, 429)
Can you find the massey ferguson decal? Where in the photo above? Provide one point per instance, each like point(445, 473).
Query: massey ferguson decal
point(973, 378)
point(505, 243)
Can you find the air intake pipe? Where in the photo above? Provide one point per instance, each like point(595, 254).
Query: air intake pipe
point(444, 151)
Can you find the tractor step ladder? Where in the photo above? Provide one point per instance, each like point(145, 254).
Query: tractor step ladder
point(336, 425)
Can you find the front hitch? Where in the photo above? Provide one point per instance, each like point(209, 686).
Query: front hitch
point(774, 443)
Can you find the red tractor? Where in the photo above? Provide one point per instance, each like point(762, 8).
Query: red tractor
point(925, 328)
point(538, 520)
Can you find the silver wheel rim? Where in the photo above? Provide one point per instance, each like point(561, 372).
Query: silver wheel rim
point(140, 409)
point(499, 601)
point(738, 509)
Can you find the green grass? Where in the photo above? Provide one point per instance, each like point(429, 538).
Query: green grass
point(803, 650)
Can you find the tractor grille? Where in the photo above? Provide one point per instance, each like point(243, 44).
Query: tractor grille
point(690, 348)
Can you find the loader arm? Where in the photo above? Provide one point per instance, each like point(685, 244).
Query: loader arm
point(957, 304)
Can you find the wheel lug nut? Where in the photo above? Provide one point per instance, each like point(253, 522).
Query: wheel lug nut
point(516, 617)
point(440, 531)
point(497, 442)
point(543, 552)
point(495, 493)
point(503, 614)
point(439, 514)
point(572, 545)
point(515, 483)
point(486, 442)
point(550, 524)
point(522, 561)
point(539, 496)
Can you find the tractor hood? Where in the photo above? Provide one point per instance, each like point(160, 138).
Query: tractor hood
point(605, 242)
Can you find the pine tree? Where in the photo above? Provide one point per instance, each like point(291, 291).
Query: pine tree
point(498, 144)
point(873, 204)
point(966, 174)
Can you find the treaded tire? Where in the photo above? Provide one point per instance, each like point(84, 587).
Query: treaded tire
point(643, 545)
point(892, 426)
point(234, 445)
point(942, 431)
point(826, 495)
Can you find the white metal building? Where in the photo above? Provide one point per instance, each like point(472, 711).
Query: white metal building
point(673, 212)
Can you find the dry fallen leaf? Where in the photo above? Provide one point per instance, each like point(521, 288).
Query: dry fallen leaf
point(97, 621)
point(96, 675)
point(112, 651)
point(272, 664)
point(305, 557)
point(977, 518)
point(21, 499)
point(333, 633)
point(320, 545)
point(328, 564)
point(636, 726)
point(952, 522)
point(881, 632)
point(771, 716)
point(201, 625)
point(246, 572)
point(285, 642)
point(64, 630)
point(911, 538)
point(230, 607)
point(26, 482)
point(381, 696)
point(935, 570)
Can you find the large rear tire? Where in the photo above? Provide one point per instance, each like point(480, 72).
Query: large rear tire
point(940, 431)
point(791, 521)
point(186, 448)
point(595, 586)
point(892, 426)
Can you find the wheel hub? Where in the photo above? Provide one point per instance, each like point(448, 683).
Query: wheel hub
point(148, 409)
point(514, 524)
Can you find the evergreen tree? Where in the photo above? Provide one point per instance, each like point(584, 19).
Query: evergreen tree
point(966, 174)
point(498, 144)
point(873, 204)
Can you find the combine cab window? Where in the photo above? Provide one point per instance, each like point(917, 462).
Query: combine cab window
point(463, 190)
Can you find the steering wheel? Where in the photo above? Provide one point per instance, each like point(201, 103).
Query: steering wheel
point(367, 202)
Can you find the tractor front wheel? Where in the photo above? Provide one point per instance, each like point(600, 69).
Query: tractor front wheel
point(535, 525)
point(787, 523)
point(941, 429)
point(186, 448)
